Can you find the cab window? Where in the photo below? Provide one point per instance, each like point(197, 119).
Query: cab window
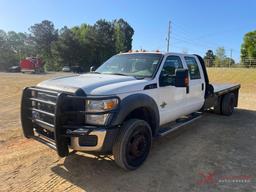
point(168, 71)
point(192, 68)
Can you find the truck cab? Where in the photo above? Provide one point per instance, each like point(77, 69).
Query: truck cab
point(119, 108)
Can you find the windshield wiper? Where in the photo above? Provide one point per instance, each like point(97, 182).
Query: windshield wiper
point(139, 77)
point(115, 74)
point(95, 72)
point(122, 74)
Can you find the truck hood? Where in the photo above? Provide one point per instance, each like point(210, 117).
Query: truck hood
point(96, 84)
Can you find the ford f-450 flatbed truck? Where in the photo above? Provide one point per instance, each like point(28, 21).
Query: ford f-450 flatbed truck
point(119, 108)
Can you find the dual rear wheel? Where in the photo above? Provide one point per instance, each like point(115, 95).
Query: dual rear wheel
point(226, 105)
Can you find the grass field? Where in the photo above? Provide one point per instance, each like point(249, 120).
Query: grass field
point(216, 143)
point(245, 77)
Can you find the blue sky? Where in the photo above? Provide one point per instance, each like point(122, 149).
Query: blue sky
point(196, 25)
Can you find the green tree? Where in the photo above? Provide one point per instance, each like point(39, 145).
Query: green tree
point(20, 44)
point(8, 55)
point(220, 57)
point(229, 62)
point(125, 33)
point(119, 38)
point(209, 58)
point(248, 49)
point(103, 41)
point(66, 50)
point(44, 34)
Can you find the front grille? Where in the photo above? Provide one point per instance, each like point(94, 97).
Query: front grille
point(51, 97)
point(43, 107)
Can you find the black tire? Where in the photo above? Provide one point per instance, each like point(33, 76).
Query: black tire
point(133, 144)
point(228, 104)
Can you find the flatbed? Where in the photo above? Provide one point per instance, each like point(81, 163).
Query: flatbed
point(220, 89)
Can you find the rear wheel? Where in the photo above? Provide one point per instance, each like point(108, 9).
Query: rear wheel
point(133, 144)
point(228, 104)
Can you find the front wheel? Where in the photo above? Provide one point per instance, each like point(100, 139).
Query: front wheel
point(133, 144)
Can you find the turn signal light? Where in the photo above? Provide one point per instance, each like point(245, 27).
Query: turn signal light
point(111, 104)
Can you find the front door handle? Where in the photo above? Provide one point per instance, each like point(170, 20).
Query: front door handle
point(202, 86)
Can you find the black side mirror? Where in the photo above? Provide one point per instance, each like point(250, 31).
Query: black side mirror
point(181, 78)
point(92, 68)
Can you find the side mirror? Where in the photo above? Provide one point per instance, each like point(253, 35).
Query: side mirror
point(181, 78)
point(92, 68)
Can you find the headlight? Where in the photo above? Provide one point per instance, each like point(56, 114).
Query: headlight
point(99, 106)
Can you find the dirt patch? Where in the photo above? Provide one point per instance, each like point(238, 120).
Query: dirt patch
point(215, 146)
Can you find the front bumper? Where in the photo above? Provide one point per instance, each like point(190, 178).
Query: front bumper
point(45, 118)
point(96, 144)
point(99, 140)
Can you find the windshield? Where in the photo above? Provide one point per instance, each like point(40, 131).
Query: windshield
point(136, 64)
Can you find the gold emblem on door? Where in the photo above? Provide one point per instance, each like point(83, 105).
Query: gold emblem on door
point(163, 104)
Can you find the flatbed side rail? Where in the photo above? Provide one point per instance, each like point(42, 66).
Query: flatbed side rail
point(227, 90)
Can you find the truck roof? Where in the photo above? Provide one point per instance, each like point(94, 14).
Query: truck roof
point(157, 52)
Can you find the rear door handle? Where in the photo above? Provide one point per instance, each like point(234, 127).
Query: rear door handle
point(202, 86)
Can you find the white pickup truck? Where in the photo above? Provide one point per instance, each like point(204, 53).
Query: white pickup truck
point(119, 108)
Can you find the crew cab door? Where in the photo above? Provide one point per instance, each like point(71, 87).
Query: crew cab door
point(171, 100)
point(195, 96)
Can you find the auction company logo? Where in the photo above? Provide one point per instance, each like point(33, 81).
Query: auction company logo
point(213, 179)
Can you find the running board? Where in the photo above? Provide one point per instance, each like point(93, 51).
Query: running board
point(170, 127)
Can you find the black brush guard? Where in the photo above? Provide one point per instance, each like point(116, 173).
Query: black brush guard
point(54, 135)
point(52, 117)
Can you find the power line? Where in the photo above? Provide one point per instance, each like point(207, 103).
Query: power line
point(194, 44)
point(183, 34)
point(181, 37)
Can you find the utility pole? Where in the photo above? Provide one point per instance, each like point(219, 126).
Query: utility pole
point(168, 36)
point(230, 57)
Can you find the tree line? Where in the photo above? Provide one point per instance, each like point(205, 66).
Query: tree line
point(218, 58)
point(88, 45)
point(247, 55)
point(83, 45)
